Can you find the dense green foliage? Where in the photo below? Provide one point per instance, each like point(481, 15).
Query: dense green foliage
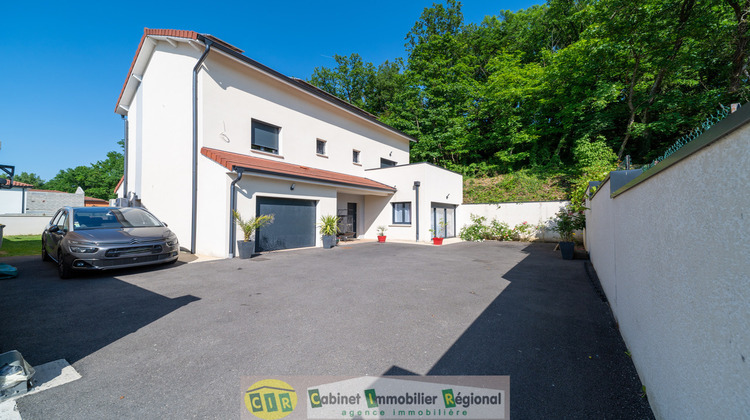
point(97, 180)
point(573, 84)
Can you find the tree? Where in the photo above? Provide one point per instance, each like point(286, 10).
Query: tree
point(97, 180)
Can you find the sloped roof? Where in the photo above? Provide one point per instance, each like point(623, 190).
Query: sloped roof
point(237, 53)
point(231, 161)
point(122, 178)
point(21, 184)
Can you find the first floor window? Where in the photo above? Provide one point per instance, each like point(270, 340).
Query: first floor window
point(265, 137)
point(401, 213)
point(320, 147)
point(355, 156)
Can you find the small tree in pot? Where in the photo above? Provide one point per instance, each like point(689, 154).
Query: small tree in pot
point(329, 228)
point(381, 233)
point(246, 247)
point(568, 221)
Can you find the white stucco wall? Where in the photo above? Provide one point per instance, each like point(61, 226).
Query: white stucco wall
point(534, 213)
point(11, 201)
point(160, 138)
point(672, 254)
point(24, 224)
point(235, 94)
point(437, 186)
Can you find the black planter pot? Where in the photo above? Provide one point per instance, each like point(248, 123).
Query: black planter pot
point(245, 249)
point(567, 250)
point(329, 241)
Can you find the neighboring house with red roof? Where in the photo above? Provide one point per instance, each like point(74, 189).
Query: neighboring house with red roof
point(13, 199)
point(209, 130)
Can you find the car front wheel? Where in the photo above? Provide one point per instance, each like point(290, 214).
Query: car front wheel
point(63, 270)
point(45, 255)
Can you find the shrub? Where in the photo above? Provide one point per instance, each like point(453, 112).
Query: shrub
point(496, 230)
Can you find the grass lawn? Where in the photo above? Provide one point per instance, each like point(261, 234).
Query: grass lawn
point(15, 245)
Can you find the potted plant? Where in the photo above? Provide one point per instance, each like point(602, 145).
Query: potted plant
point(568, 221)
point(246, 247)
point(438, 240)
point(329, 228)
point(381, 233)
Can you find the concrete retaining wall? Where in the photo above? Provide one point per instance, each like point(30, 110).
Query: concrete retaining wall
point(672, 251)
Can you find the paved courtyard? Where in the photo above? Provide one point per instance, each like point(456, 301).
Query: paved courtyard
point(173, 342)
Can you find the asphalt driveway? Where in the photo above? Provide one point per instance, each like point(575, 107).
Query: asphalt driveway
point(173, 342)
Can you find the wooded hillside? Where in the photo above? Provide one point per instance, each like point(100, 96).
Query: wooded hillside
point(565, 86)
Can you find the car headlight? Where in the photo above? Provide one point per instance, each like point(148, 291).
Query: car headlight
point(83, 249)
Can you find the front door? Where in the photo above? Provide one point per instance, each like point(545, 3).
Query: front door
point(351, 210)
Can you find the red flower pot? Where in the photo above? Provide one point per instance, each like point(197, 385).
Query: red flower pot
point(437, 241)
point(381, 238)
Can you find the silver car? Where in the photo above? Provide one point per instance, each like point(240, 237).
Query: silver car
point(101, 238)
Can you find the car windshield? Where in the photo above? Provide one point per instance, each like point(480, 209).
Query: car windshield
point(112, 218)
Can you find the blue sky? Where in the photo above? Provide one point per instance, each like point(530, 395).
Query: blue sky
point(63, 63)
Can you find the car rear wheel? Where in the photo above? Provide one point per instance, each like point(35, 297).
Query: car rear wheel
point(63, 270)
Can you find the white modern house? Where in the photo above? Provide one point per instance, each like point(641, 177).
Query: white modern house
point(209, 130)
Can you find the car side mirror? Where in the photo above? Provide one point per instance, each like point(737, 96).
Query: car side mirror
point(53, 228)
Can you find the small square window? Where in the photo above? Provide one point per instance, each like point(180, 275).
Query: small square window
point(265, 137)
point(355, 156)
point(401, 213)
point(320, 147)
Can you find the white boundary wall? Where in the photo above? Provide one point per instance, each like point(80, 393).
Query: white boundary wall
point(534, 213)
point(24, 224)
point(673, 256)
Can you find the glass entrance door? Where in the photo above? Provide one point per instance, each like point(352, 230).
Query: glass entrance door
point(443, 222)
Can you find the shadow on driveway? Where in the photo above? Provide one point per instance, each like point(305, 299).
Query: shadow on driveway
point(554, 335)
point(46, 318)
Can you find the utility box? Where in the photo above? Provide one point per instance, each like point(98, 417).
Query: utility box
point(15, 375)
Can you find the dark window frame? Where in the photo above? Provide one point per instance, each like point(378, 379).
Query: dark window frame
point(356, 156)
point(260, 148)
point(387, 163)
point(319, 142)
point(404, 205)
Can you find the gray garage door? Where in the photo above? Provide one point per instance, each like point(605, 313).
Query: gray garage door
point(293, 226)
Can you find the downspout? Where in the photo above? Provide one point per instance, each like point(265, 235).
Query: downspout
point(416, 207)
point(194, 209)
point(232, 208)
point(125, 171)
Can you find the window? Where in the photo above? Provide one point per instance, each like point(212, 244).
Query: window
point(355, 156)
point(62, 222)
point(401, 213)
point(265, 137)
point(385, 163)
point(320, 147)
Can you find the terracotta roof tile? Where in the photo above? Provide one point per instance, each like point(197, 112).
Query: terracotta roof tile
point(21, 184)
point(158, 32)
point(122, 178)
point(230, 160)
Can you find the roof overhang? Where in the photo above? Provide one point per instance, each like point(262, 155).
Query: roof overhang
point(152, 36)
point(286, 171)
